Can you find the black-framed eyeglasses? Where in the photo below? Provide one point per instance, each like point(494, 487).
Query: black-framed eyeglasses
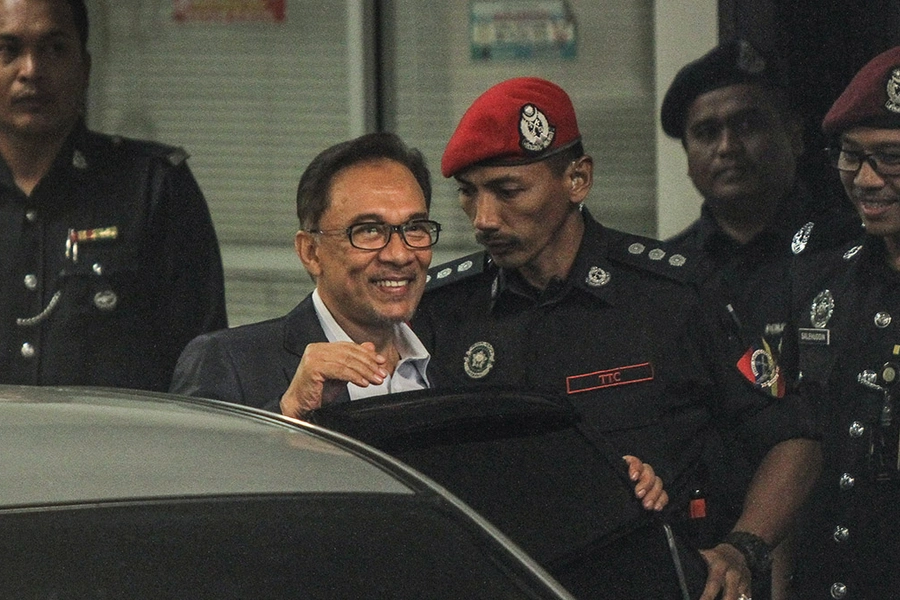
point(883, 163)
point(419, 233)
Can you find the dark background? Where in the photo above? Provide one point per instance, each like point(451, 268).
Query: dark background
point(823, 44)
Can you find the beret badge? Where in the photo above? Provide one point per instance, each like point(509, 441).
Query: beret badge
point(535, 132)
point(749, 60)
point(893, 91)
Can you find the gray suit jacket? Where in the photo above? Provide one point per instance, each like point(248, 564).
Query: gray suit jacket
point(251, 364)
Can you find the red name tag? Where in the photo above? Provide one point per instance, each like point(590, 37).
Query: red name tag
point(609, 378)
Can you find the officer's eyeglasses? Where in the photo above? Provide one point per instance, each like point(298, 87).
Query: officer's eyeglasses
point(418, 234)
point(883, 163)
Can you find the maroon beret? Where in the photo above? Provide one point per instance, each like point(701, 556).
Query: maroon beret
point(871, 99)
point(516, 122)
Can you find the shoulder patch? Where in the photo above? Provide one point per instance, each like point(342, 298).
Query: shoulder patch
point(456, 270)
point(652, 255)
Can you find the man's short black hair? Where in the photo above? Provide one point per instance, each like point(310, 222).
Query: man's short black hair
point(80, 19)
point(312, 193)
point(560, 161)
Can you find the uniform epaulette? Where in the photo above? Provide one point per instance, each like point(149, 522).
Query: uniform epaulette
point(833, 229)
point(651, 255)
point(174, 155)
point(456, 269)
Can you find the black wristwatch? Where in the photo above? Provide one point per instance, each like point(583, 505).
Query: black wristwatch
point(756, 551)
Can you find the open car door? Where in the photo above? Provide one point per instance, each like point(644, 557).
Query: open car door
point(527, 463)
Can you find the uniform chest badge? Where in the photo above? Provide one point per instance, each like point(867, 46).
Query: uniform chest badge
point(759, 366)
point(893, 92)
point(882, 319)
point(479, 360)
point(535, 132)
point(801, 238)
point(597, 277)
point(822, 309)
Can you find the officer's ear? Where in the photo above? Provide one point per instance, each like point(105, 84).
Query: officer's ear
point(307, 248)
point(580, 178)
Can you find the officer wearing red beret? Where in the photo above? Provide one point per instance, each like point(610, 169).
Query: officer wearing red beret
point(560, 303)
point(847, 306)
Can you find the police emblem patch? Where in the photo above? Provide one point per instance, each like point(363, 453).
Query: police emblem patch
point(822, 309)
point(535, 132)
point(760, 367)
point(801, 238)
point(479, 360)
point(893, 91)
point(597, 277)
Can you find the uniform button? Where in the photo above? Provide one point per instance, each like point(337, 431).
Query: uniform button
point(882, 319)
point(847, 481)
point(27, 350)
point(31, 215)
point(31, 282)
point(838, 590)
point(857, 429)
point(97, 268)
point(106, 300)
point(841, 534)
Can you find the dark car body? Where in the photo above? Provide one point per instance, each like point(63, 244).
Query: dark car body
point(121, 494)
point(528, 463)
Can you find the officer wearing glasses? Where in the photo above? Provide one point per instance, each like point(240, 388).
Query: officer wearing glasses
point(365, 239)
point(847, 311)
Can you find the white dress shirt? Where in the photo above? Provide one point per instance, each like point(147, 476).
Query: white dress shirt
point(410, 372)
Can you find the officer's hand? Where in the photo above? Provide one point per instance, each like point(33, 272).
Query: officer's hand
point(728, 573)
point(648, 487)
point(323, 372)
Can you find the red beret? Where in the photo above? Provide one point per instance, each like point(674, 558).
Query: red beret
point(516, 122)
point(872, 98)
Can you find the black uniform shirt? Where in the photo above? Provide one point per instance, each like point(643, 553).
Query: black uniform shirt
point(847, 308)
point(107, 269)
point(624, 339)
point(754, 277)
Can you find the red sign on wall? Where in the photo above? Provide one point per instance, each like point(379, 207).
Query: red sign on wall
point(229, 11)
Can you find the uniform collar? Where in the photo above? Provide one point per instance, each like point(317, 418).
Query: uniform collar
point(590, 273)
point(70, 159)
point(407, 343)
point(792, 213)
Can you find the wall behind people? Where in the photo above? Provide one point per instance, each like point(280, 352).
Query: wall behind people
point(254, 102)
point(610, 81)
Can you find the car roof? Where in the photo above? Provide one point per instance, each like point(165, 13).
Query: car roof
point(73, 445)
